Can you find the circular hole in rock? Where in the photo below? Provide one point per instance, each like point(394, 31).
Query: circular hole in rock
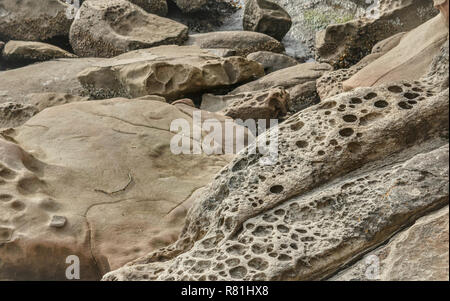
point(370, 96)
point(381, 104)
point(276, 189)
point(350, 118)
point(395, 89)
point(356, 101)
point(411, 95)
point(347, 132)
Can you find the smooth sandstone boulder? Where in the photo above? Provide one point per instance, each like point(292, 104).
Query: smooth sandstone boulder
point(409, 60)
point(351, 172)
point(243, 42)
point(92, 179)
point(106, 28)
point(266, 17)
point(272, 61)
point(32, 20)
point(19, 53)
point(170, 71)
point(418, 253)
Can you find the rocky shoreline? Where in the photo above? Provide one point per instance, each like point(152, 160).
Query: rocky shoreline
point(115, 145)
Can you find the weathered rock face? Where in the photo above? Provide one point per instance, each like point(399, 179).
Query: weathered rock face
point(105, 28)
point(343, 45)
point(243, 42)
point(169, 71)
point(419, 253)
point(350, 172)
point(32, 20)
point(266, 17)
point(92, 179)
point(20, 53)
point(272, 61)
point(13, 114)
point(299, 81)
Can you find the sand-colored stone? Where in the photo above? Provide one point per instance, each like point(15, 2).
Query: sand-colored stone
point(106, 28)
point(92, 179)
point(170, 71)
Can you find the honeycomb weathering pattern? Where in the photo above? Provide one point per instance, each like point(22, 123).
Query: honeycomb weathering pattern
point(303, 218)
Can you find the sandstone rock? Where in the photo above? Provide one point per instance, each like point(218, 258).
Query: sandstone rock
point(272, 61)
point(286, 78)
point(343, 45)
point(169, 71)
point(265, 104)
point(32, 20)
point(331, 83)
point(266, 17)
point(419, 253)
point(299, 82)
point(13, 114)
point(20, 53)
point(107, 168)
point(107, 28)
point(243, 42)
point(57, 76)
point(409, 60)
point(350, 173)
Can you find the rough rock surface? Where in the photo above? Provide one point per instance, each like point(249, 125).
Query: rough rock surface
point(243, 42)
point(343, 45)
point(106, 28)
point(92, 179)
point(20, 53)
point(419, 253)
point(169, 71)
point(32, 20)
point(266, 17)
point(350, 172)
point(272, 61)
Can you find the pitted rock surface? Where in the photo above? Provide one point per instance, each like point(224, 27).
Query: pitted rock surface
point(170, 71)
point(351, 171)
